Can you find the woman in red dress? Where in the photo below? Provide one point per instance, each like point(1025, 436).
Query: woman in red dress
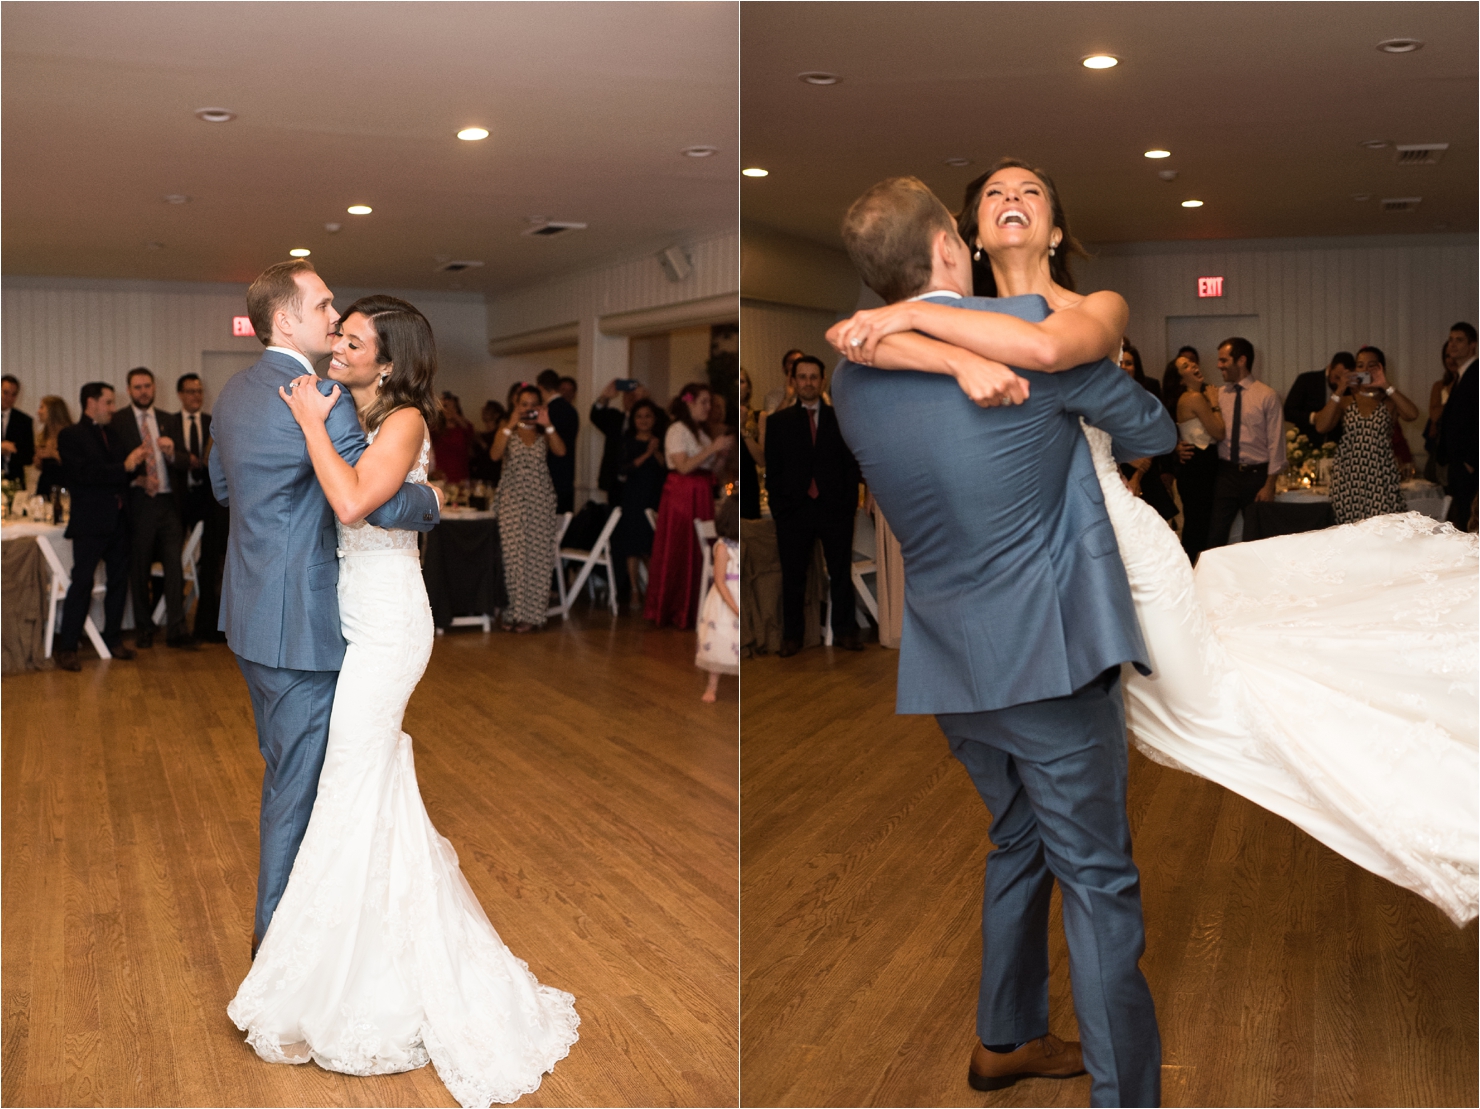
point(675, 568)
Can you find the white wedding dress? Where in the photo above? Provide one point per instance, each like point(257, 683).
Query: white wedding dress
point(379, 957)
point(1329, 677)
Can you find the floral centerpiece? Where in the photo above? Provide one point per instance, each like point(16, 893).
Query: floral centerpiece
point(1303, 461)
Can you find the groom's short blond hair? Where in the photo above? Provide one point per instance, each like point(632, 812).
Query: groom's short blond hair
point(889, 231)
point(276, 287)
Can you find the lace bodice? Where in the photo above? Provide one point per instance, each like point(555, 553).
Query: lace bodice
point(365, 536)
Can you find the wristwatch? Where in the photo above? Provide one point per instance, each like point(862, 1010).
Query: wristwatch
point(549, 429)
point(1390, 390)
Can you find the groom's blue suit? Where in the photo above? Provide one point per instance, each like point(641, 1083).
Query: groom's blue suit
point(1017, 618)
point(279, 601)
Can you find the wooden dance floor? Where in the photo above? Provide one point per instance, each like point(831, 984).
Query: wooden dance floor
point(1283, 974)
point(590, 796)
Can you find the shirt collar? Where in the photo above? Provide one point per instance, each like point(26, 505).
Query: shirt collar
point(307, 365)
point(938, 293)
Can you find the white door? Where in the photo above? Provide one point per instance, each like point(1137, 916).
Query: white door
point(1205, 333)
point(217, 366)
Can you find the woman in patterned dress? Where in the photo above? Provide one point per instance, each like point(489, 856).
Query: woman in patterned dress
point(526, 506)
point(1365, 480)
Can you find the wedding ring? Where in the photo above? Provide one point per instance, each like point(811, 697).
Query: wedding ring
point(857, 342)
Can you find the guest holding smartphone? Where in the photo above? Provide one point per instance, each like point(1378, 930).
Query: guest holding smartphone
point(1365, 479)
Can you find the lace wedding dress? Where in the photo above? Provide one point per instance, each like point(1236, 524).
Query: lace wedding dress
point(379, 957)
point(1329, 677)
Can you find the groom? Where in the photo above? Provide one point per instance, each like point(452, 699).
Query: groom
point(1017, 619)
point(279, 606)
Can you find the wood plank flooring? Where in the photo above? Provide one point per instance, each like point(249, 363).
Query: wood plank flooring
point(591, 797)
point(1283, 974)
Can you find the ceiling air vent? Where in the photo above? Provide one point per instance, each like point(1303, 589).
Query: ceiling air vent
point(457, 267)
point(548, 228)
point(1400, 203)
point(1420, 154)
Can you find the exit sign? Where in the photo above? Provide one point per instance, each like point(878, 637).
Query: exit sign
point(1210, 286)
point(242, 325)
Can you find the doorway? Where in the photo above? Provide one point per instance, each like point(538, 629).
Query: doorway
point(1205, 333)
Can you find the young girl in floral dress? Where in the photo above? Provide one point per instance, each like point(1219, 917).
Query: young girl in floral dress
point(719, 619)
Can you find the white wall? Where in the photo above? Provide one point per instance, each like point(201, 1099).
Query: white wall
point(1313, 297)
point(767, 331)
point(58, 333)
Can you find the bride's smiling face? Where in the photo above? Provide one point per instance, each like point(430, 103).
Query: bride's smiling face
point(353, 363)
point(1014, 211)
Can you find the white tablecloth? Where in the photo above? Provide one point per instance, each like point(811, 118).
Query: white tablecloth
point(53, 535)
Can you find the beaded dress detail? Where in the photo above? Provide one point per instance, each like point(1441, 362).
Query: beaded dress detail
point(1329, 677)
point(379, 957)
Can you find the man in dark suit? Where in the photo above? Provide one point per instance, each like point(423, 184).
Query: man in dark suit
point(198, 505)
point(17, 437)
point(1457, 426)
point(154, 510)
point(1309, 394)
point(613, 421)
point(97, 472)
point(567, 424)
point(812, 482)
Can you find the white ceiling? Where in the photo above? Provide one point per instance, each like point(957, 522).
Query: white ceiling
point(1263, 105)
point(589, 106)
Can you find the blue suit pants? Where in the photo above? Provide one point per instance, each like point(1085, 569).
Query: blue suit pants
point(1053, 776)
point(292, 709)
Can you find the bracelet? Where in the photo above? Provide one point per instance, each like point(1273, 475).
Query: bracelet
point(508, 431)
point(549, 429)
point(1390, 390)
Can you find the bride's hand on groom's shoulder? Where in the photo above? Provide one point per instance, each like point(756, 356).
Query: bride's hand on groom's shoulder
point(858, 336)
point(304, 400)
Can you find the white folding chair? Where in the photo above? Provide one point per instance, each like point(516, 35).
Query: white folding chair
point(600, 554)
point(61, 581)
point(704, 529)
point(561, 523)
point(1444, 507)
point(189, 559)
point(862, 566)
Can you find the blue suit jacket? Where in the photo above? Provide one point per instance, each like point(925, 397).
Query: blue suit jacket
point(1014, 588)
point(279, 602)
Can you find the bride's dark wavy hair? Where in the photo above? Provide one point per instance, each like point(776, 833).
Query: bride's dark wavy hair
point(984, 281)
point(403, 339)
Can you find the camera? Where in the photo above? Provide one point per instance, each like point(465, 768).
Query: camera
point(530, 417)
point(1359, 378)
point(626, 384)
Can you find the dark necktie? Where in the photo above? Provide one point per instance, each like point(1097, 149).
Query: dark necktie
point(195, 435)
point(1238, 423)
point(812, 423)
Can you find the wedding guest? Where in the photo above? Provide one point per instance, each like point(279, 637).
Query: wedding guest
point(568, 388)
point(97, 472)
point(1364, 481)
point(614, 421)
point(718, 425)
point(719, 620)
point(483, 467)
point(688, 495)
point(1438, 397)
point(1252, 452)
point(527, 506)
point(1310, 393)
point(453, 442)
point(812, 482)
point(785, 396)
point(640, 487)
point(199, 505)
point(1457, 427)
point(51, 417)
point(17, 443)
point(154, 502)
point(1193, 404)
point(1144, 476)
point(566, 421)
point(751, 454)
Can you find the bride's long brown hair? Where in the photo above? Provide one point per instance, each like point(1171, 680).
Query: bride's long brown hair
point(403, 339)
point(983, 279)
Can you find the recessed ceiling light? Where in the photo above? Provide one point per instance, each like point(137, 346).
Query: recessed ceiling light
point(177, 198)
point(332, 227)
point(755, 171)
point(1167, 174)
point(472, 134)
point(958, 162)
point(1359, 197)
point(359, 209)
point(300, 252)
point(1400, 46)
point(1374, 144)
point(1100, 61)
point(819, 78)
point(215, 115)
point(1192, 203)
point(1158, 154)
point(699, 151)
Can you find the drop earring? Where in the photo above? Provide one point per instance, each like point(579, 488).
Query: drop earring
point(977, 255)
point(1051, 251)
point(383, 375)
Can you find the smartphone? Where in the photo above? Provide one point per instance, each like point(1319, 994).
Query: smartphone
point(626, 384)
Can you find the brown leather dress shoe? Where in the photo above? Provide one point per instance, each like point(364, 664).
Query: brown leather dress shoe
point(122, 653)
point(67, 660)
point(1045, 1057)
point(788, 648)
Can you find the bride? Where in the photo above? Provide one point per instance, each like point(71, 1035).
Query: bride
point(1329, 677)
point(379, 957)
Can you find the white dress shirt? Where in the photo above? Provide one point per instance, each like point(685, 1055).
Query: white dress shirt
point(190, 420)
